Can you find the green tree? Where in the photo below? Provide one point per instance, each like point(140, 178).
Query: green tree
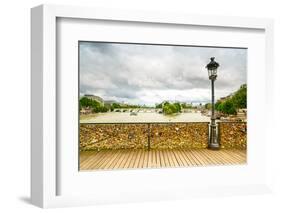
point(165, 103)
point(218, 105)
point(158, 106)
point(237, 101)
point(170, 108)
point(228, 107)
point(208, 106)
point(93, 104)
point(240, 97)
point(85, 102)
point(115, 106)
point(178, 107)
point(186, 106)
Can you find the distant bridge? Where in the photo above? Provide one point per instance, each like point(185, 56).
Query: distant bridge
point(141, 110)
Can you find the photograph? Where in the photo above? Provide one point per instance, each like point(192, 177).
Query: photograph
point(147, 106)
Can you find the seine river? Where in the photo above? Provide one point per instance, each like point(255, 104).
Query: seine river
point(126, 117)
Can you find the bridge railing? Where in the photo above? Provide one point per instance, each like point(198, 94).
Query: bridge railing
point(232, 134)
point(170, 135)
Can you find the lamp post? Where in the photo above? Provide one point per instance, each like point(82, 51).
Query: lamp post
point(212, 72)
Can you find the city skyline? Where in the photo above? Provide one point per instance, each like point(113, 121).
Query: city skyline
point(142, 74)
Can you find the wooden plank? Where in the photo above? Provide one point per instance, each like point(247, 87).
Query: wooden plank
point(177, 157)
point(209, 157)
point(92, 157)
point(242, 153)
point(227, 157)
point(230, 156)
point(129, 159)
point(202, 157)
point(238, 158)
point(145, 159)
point(140, 160)
point(133, 159)
point(235, 154)
point(198, 161)
point(119, 164)
point(137, 159)
point(84, 156)
point(119, 155)
point(169, 158)
point(149, 162)
point(105, 158)
point(166, 158)
point(158, 159)
point(174, 159)
point(125, 159)
point(115, 154)
point(162, 160)
point(185, 161)
point(221, 158)
point(95, 160)
point(189, 157)
point(216, 157)
point(154, 159)
point(119, 160)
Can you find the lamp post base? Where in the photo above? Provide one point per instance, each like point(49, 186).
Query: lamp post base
point(213, 139)
point(214, 146)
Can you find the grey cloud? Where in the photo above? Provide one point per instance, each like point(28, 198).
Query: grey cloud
point(129, 72)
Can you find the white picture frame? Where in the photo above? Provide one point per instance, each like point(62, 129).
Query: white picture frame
point(45, 178)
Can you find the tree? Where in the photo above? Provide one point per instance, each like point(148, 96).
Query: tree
point(178, 107)
point(240, 97)
point(158, 106)
point(228, 107)
point(93, 104)
point(218, 105)
point(237, 101)
point(165, 103)
point(186, 106)
point(208, 106)
point(115, 106)
point(85, 102)
point(170, 108)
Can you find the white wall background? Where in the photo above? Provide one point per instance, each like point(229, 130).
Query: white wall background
point(15, 104)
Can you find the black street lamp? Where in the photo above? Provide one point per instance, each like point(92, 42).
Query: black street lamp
point(212, 72)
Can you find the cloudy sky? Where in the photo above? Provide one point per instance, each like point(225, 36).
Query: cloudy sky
point(149, 74)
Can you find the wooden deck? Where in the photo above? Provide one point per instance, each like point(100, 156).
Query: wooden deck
point(130, 159)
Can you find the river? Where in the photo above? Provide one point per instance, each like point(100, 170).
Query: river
point(142, 117)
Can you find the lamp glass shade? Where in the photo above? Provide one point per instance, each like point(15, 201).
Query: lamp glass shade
point(212, 72)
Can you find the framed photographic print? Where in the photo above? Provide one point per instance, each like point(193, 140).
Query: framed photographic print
point(147, 106)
